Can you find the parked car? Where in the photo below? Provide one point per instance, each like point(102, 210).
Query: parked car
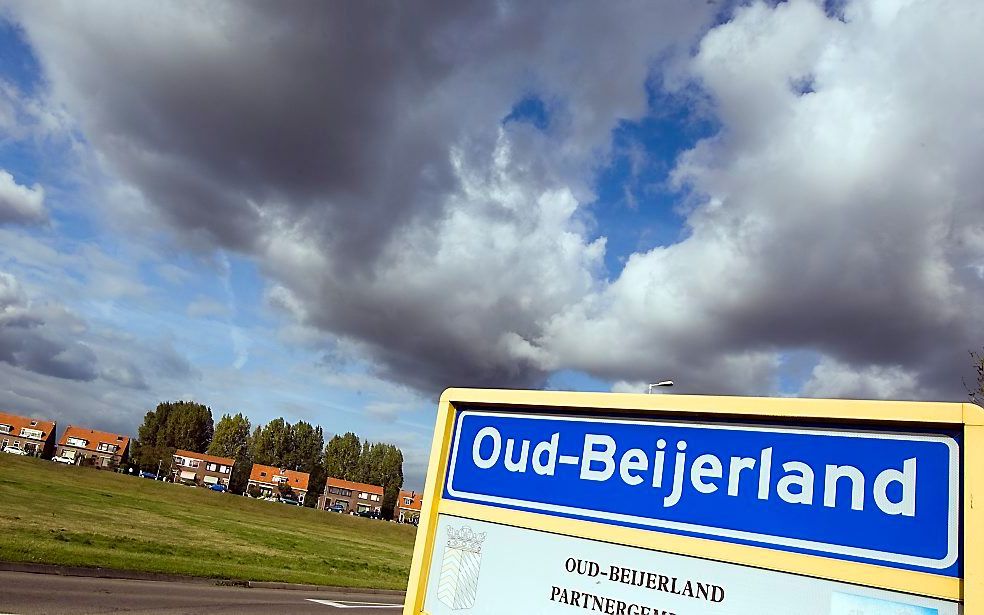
point(290, 501)
point(218, 487)
point(66, 460)
point(150, 475)
point(14, 450)
point(338, 508)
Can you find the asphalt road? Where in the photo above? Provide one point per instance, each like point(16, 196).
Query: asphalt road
point(27, 594)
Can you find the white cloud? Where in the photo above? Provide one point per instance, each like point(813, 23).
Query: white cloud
point(20, 204)
point(837, 211)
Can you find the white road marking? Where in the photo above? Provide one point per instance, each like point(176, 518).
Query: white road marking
point(352, 604)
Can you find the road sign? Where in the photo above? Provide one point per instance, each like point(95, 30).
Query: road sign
point(545, 502)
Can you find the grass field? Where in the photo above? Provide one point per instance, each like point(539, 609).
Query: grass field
point(56, 514)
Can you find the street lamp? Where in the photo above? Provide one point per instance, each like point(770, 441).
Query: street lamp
point(664, 383)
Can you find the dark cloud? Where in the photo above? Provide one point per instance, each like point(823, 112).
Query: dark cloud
point(324, 135)
point(357, 152)
point(28, 341)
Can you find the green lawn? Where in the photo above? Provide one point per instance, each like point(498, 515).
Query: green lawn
point(56, 514)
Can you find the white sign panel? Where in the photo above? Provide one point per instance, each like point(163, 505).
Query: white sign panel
point(485, 568)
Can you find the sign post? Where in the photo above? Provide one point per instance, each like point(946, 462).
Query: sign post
point(551, 502)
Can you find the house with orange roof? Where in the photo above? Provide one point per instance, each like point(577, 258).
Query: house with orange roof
point(408, 506)
point(201, 468)
point(269, 480)
point(84, 446)
point(32, 436)
point(352, 497)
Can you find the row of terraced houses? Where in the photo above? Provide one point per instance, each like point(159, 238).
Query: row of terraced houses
point(78, 445)
point(84, 446)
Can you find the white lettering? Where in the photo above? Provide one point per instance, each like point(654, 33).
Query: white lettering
point(677, 489)
point(705, 466)
point(804, 480)
point(906, 506)
point(658, 460)
point(765, 473)
point(546, 468)
point(486, 432)
point(634, 459)
point(520, 465)
point(734, 472)
point(606, 457)
point(835, 473)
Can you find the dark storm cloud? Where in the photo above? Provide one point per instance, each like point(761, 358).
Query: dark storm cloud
point(357, 151)
point(326, 131)
point(28, 341)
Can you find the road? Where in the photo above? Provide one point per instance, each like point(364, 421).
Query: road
point(28, 594)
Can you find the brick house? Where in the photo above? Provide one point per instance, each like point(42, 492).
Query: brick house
point(201, 468)
point(33, 436)
point(408, 506)
point(89, 446)
point(355, 497)
point(268, 480)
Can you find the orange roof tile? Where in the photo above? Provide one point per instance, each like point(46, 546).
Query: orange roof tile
point(205, 457)
point(93, 437)
point(416, 497)
point(19, 422)
point(264, 474)
point(354, 486)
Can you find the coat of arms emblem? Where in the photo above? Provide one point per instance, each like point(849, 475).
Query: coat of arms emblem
point(457, 586)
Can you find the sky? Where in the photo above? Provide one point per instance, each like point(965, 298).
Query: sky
point(332, 212)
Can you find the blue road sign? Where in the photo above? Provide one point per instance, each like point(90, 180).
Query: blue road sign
point(888, 498)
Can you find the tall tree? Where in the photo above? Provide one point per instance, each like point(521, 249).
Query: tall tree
point(307, 447)
point(232, 439)
point(172, 425)
point(382, 464)
point(273, 444)
point(308, 456)
point(976, 390)
point(342, 456)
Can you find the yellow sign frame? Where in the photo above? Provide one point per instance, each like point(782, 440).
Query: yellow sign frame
point(969, 418)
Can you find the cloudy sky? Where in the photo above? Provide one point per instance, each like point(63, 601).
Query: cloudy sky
point(333, 211)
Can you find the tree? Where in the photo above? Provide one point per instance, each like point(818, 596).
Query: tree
point(232, 439)
point(273, 443)
point(382, 464)
point(342, 456)
point(253, 491)
point(307, 455)
point(172, 425)
point(976, 391)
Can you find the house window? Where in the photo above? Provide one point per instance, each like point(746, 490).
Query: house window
point(374, 497)
point(280, 479)
point(79, 442)
point(194, 463)
point(4, 428)
point(107, 448)
point(339, 491)
point(224, 469)
point(407, 501)
point(212, 467)
point(35, 434)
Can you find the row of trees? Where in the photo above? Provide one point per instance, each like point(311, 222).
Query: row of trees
point(299, 446)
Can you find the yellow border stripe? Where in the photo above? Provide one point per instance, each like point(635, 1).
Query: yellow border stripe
point(760, 407)
point(907, 581)
point(973, 518)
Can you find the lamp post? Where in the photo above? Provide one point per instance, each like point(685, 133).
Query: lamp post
point(664, 383)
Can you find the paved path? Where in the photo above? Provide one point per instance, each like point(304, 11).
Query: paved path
point(29, 594)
